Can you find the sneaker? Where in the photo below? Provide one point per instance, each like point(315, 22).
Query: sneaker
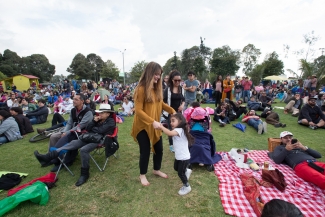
point(277, 125)
point(184, 190)
point(313, 127)
point(260, 129)
point(188, 173)
point(264, 127)
point(283, 125)
point(295, 115)
point(171, 148)
point(222, 124)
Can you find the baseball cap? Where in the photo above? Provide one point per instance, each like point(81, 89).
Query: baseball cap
point(285, 133)
point(310, 98)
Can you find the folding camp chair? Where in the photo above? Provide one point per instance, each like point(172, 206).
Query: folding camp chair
point(103, 148)
point(62, 154)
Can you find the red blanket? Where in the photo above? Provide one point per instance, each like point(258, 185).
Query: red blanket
point(306, 196)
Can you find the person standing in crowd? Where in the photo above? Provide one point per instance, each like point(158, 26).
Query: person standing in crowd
point(174, 97)
point(190, 86)
point(228, 85)
point(246, 84)
point(149, 104)
point(115, 86)
point(238, 88)
point(165, 81)
point(67, 87)
point(313, 82)
point(218, 87)
point(307, 83)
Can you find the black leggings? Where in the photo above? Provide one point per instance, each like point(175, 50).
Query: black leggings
point(144, 145)
point(180, 166)
point(57, 119)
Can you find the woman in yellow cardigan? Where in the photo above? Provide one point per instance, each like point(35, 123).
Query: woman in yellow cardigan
point(228, 85)
point(148, 101)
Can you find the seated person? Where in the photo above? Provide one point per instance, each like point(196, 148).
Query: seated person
point(26, 126)
point(300, 158)
point(320, 100)
point(57, 104)
point(97, 98)
point(12, 101)
point(102, 124)
point(66, 105)
point(254, 105)
point(311, 115)
point(272, 117)
point(39, 116)
point(26, 106)
point(221, 115)
point(253, 120)
point(119, 98)
point(9, 129)
point(90, 104)
point(294, 105)
point(105, 100)
point(265, 100)
point(51, 99)
point(3, 99)
point(238, 107)
point(112, 98)
point(127, 107)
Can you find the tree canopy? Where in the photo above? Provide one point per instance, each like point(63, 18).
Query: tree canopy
point(137, 70)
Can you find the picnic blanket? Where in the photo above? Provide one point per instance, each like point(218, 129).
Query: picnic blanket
point(306, 196)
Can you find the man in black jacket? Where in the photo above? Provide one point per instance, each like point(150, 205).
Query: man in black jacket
point(311, 115)
point(294, 105)
point(300, 158)
point(39, 116)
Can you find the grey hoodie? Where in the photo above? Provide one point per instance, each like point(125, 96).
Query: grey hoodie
point(10, 129)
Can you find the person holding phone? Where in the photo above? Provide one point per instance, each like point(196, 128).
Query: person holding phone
point(302, 159)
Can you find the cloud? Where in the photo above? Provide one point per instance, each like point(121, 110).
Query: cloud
point(153, 30)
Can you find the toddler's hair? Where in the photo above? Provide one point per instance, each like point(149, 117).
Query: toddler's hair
point(182, 124)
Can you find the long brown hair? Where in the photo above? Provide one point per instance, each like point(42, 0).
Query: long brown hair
point(146, 81)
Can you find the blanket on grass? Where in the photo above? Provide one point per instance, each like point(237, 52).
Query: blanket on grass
point(306, 196)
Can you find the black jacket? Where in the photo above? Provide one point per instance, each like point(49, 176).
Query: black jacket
point(104, 128)
point(26, 125)
point(311, 113)
point(293, 157)
point(41, 114)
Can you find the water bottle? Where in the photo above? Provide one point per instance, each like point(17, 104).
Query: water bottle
point(78, 128)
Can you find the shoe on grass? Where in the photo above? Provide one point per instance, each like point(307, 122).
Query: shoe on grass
point(264, 127)
point(295, 115)
point(313, 127)
point(260, 129)
point(283, 125)
point(184, 190)
point(40, 131)
point(277, 125)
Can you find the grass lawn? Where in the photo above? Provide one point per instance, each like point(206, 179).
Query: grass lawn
point(118, 192)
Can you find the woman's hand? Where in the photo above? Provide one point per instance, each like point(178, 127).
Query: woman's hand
point(180, 108)
point(156, 125)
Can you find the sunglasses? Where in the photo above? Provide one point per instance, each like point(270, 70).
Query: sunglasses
point(177, 80)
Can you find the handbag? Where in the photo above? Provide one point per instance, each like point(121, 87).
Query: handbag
point(91, 137)
point(275, 177)
point(226, 90)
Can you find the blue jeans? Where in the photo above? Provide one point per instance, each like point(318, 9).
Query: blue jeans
point(254, 123)
point(3, 139)
point(188, 102)
point(238, 96)
point(33, 120)
point(246, 93)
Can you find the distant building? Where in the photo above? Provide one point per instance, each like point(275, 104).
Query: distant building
point(22, 82)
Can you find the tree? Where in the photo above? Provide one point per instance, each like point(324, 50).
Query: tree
point(225, 61)
point(272, 65)
point(10, 63)
point(174, 64)
point(37, 65)
point(170, 65)
point(109, 70)
point(188, 57)
point(205, 52)
point(96, 65)
point(250, 55)
point(257, 73)
point(137, 70)
point(2, 76)
point(58, 78)
point(80, 68)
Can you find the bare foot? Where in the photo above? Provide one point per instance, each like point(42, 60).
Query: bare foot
point(143, 180)
point(159, 173)
point(285, 112)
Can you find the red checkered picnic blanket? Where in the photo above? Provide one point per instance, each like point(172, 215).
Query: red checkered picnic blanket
point(306, 196)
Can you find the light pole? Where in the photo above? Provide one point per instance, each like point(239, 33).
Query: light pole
point(123, 64)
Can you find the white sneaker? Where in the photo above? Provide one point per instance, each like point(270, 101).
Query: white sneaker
point(184, 190)
point(264, 127)
point(188, 173)
point(260, 129)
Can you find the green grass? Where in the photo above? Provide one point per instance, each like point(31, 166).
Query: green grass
point(118, 192)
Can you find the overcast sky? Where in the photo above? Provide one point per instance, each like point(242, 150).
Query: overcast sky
point(153, 30)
